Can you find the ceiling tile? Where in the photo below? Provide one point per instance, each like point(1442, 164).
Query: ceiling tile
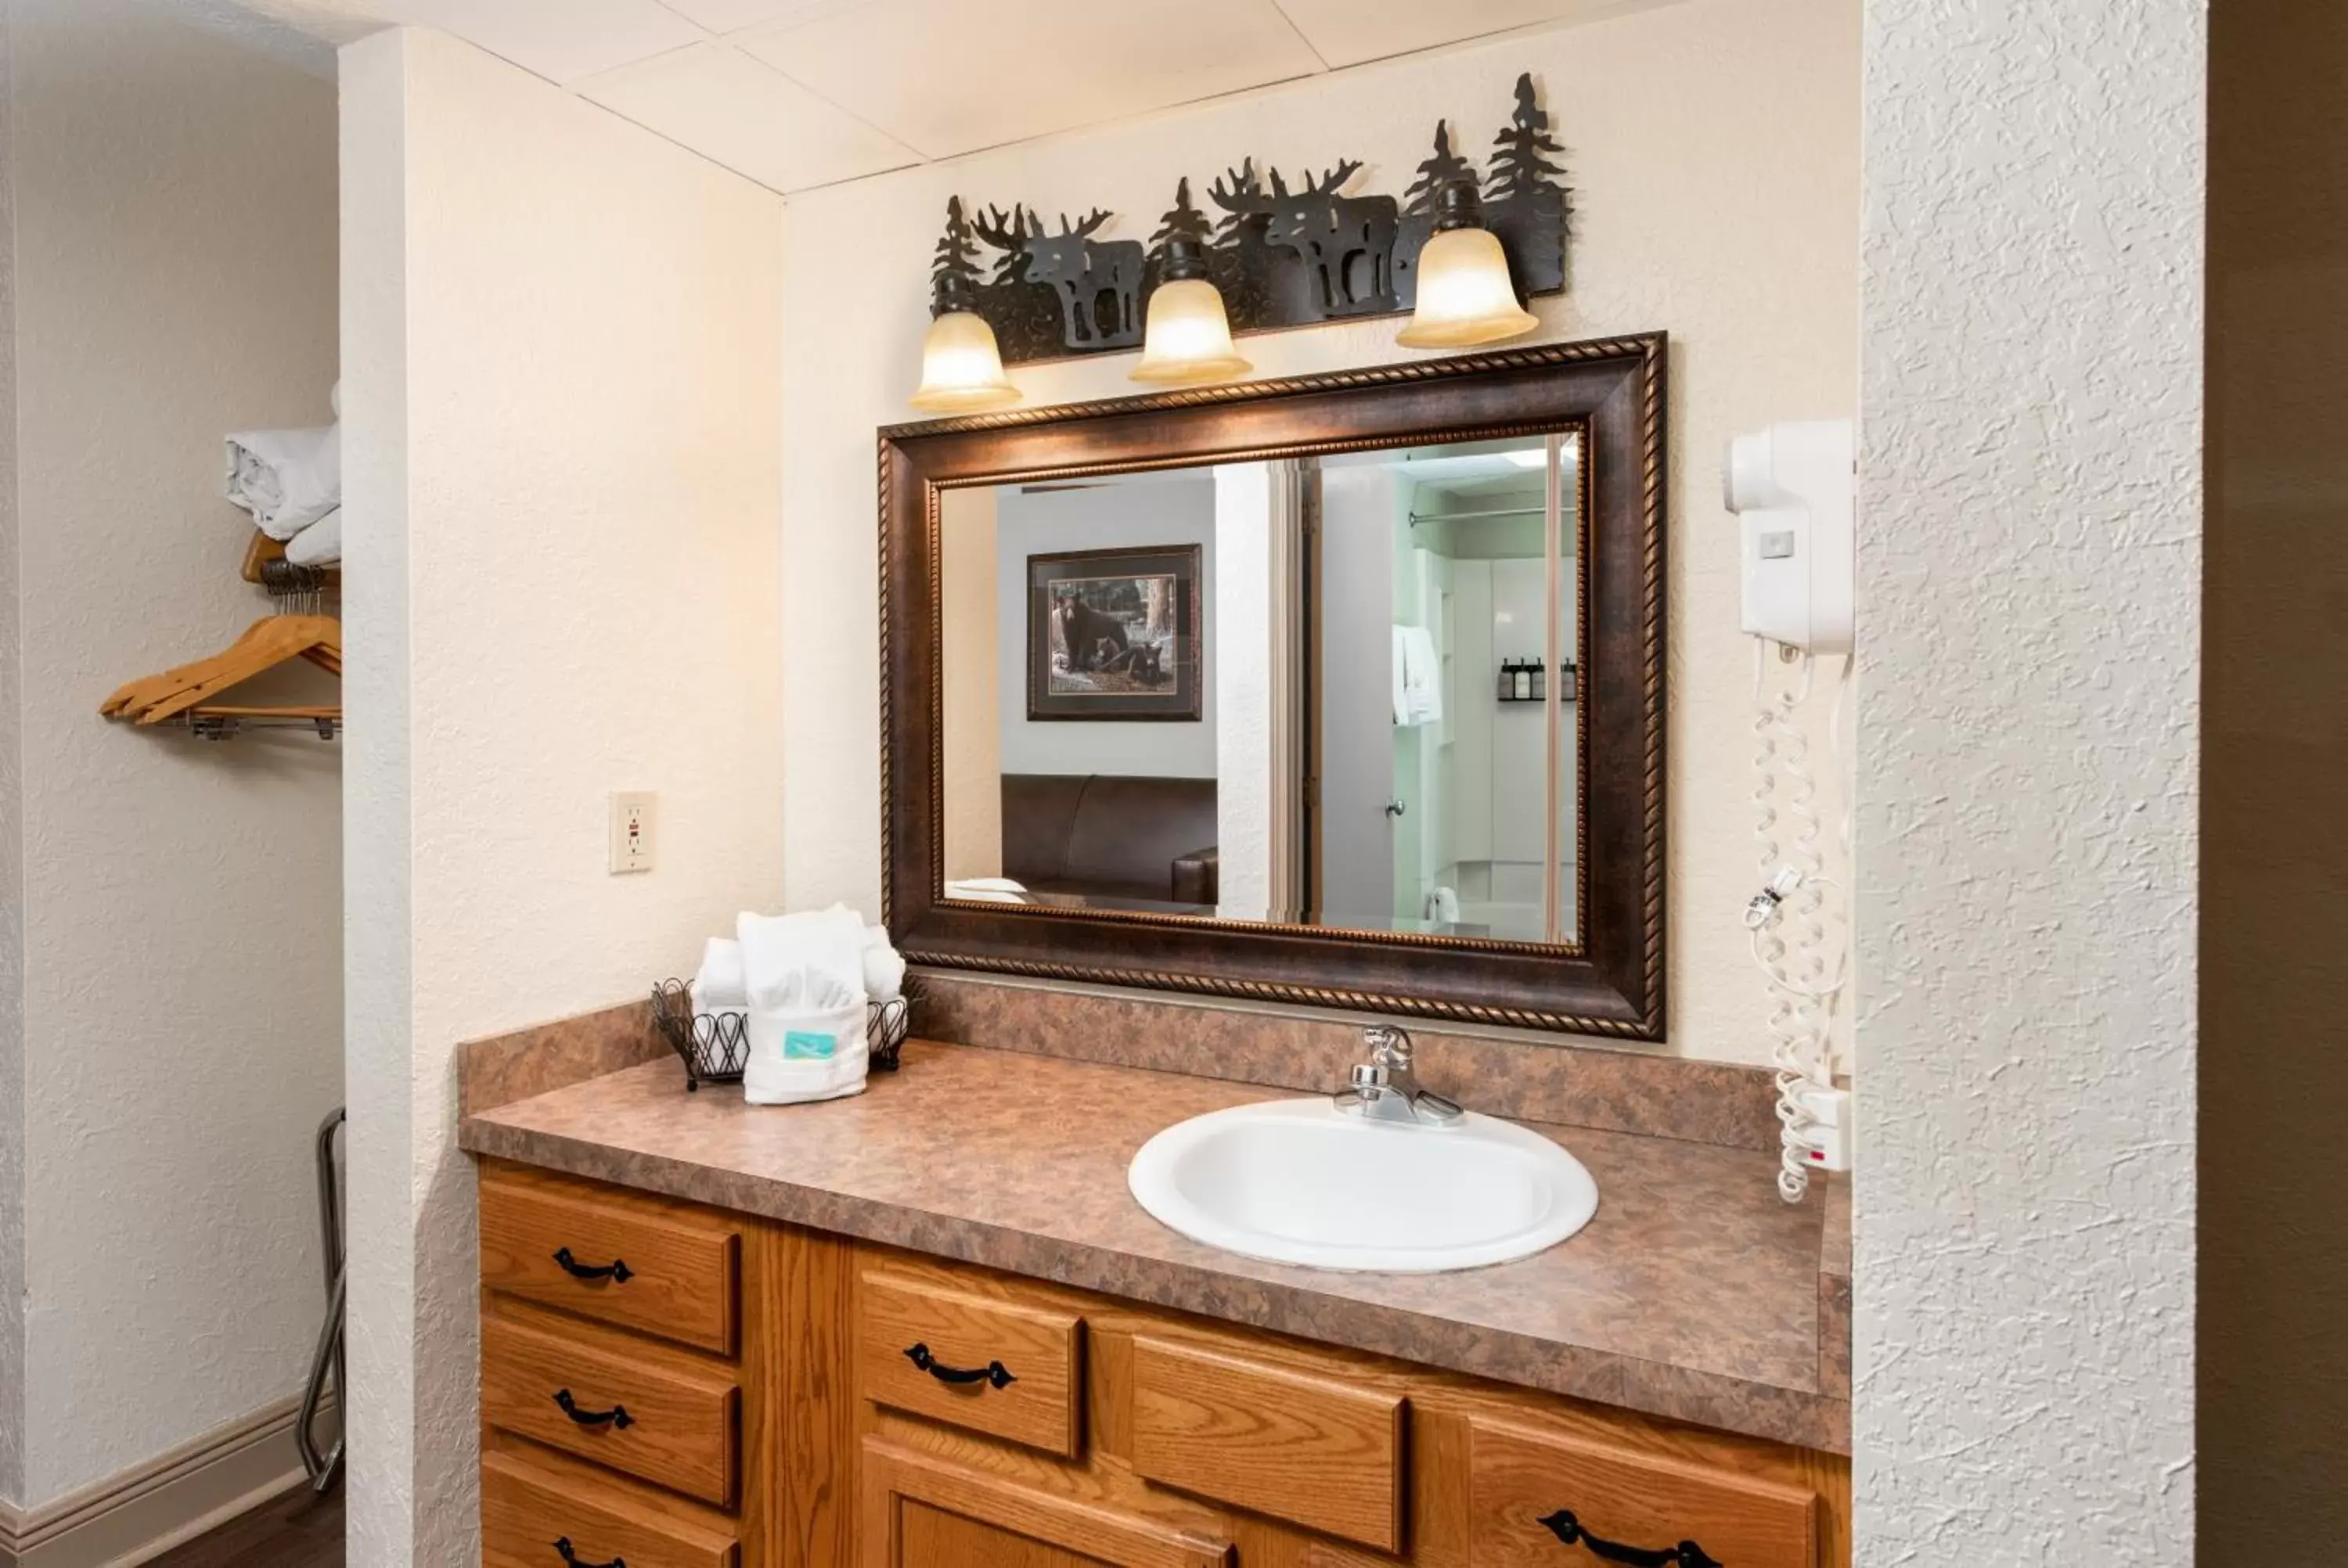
point(950, 77)
point(734, 15)
point(753, 119)
point(563, 40)
point(1348, 32)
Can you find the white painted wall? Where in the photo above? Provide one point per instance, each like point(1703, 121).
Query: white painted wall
point(565, 390)
point(969, 627)
point(181, 961)
point(1180, 511)
point(2029, 616)
point(1248, 772)
point(1714, 153)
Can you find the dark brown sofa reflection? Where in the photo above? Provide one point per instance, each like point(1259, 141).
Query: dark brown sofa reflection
point(1110, 840)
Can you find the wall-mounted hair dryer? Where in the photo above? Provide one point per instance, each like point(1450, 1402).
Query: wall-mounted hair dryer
point(1792, 487)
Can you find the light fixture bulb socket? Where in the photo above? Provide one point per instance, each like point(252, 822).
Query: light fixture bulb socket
point(1458, 207)
point(1185, 259)
point(950, 292)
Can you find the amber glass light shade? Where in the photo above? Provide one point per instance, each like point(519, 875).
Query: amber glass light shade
point(1189, 340)
point(1465, 294)
point(962, 368)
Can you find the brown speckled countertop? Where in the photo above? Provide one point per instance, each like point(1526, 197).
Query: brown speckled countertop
point(1695, 1294)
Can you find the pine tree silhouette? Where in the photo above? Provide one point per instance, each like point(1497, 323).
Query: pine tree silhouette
point(1181, 222)
point(1519, 168)
point(1526, 201)
point(957, 250)
point(1445, 167)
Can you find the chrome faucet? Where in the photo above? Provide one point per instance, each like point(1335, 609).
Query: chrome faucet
point(1384, 1088)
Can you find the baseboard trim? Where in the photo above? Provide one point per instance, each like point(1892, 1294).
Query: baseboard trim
point(174, 1497)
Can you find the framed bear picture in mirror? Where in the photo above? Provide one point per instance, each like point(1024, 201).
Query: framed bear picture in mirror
point(1409, 624)
point(1113, 634)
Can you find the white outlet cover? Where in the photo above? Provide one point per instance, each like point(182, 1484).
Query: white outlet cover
point(632, 820)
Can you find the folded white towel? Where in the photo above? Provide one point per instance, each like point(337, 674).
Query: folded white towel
point(719, 986)
point(884, 971)
point(287, 479)
point(320, 544)
point(1418, 677)
point(988, 890)
point(787, 958)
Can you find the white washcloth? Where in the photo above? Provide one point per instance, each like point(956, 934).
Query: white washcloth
point(320, 544)
point(1418, 677)
point(719, 987)
point(988, 890)
point(786, 958)
point(884, 969)
point(287, 479)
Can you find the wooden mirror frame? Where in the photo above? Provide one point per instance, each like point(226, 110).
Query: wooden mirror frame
point(1609, 393)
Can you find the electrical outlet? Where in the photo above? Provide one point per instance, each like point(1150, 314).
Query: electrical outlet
point(631, 830)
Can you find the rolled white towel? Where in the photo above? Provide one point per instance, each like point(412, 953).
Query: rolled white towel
point(988, 890)
point(786, 958)
point(884, 969)
point(719, 986)
point(287, 479)
point(320, 544)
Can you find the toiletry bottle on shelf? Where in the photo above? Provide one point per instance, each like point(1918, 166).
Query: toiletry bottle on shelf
point(1524, 687)
point(1540, 681)
point(1507, 680)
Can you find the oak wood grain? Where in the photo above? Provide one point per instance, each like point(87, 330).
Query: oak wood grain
point(682, 1261)
point(681, 1427)
point(1520, 1475)
point(1040, 1347)
point(1324, 1453)
point(1021, 1521)
point(525, 1509)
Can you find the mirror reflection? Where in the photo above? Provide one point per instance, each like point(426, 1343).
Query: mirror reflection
point(1338, 691)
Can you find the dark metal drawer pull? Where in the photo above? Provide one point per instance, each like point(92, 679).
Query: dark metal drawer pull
point(617, 1417)
point(995, 1373)
point(617, 1271)
point(571, 1556)
point(1686, 1555)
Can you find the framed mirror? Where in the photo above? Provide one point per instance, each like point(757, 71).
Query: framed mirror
point(1344, 690)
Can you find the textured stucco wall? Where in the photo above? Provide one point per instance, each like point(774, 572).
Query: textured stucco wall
point(2272, 1363)
point(565, 351)
point(1712, 151)
point(2029, 616)
point(11, 879)
point(182, 964)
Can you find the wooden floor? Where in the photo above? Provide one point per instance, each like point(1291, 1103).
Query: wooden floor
point(299, 1530)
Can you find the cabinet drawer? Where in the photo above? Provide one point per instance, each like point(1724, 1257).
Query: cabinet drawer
point(1010, 1369)
point(527, 1513)
point(670, 1424)
point(1540, 1499)
point(1309, 1449)
point(670, 1274)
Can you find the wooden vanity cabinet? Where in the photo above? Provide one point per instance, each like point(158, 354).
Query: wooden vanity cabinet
point(895, 1411)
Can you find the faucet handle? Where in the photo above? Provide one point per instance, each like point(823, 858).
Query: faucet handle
point(1389, 1046)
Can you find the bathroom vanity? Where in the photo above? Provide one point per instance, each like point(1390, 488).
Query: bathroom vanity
point(930, 1327)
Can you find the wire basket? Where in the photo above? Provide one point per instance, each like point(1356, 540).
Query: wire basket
point(716, 1046)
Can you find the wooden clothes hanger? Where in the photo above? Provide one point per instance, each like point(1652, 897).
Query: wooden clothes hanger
point(268, 642)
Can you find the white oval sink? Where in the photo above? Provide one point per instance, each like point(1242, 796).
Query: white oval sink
point(1299, 1182)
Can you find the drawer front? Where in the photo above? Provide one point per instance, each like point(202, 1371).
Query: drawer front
point(673, 1275)
point(1312, 1449)
point(1009, 1369)
point(1538, 1500)
point(671, 1425)
point(529, 1516)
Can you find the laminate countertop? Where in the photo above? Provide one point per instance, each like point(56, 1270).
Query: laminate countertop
point(1696, 1294)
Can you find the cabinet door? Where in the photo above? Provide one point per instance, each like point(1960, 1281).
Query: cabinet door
point(921, 1512)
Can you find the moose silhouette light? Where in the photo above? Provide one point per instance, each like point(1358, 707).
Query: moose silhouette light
point(1280, 254)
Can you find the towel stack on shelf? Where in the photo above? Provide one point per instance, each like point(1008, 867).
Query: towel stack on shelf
point(291, 483)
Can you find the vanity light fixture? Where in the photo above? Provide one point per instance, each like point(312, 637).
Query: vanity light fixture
point(1189, 339)
point(961, 369)
point(1466, 296)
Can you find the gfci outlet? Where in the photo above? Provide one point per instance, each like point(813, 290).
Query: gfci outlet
point(631, 830)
